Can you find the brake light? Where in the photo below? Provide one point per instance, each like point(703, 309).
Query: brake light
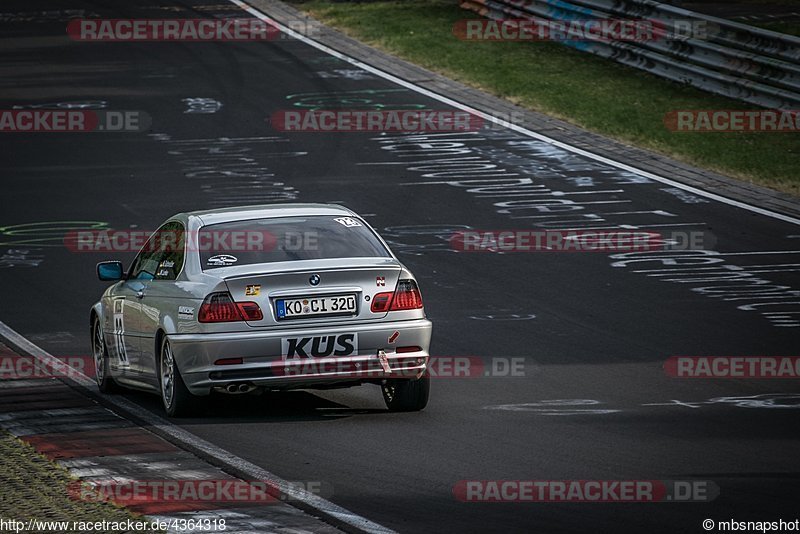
point(406, 296)
point(220, 308)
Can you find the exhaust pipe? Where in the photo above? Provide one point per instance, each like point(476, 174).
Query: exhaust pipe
point(237, 388)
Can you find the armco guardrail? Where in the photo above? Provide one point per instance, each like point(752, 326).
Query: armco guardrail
point(734, 60)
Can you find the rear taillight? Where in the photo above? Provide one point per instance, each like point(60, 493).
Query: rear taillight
point(405, 297)
point(381, 302)
point(220, 308)
point(250, 311)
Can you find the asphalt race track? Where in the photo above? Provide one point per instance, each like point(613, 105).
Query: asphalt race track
point(594, 329)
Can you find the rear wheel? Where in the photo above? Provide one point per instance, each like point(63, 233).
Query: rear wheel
point(102, 373)
point(175, 397)
point(404, 395)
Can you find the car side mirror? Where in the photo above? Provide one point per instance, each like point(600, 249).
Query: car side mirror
point(110, 271)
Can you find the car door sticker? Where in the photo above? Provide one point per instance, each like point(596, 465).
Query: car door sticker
point(119, 330)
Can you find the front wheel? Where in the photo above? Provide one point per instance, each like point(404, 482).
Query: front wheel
point(404, 395)
point(102, 373)
point(175, 397)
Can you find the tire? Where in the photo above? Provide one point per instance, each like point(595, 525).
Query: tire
point(404, 395)
point(102, 375)
point(175, 397)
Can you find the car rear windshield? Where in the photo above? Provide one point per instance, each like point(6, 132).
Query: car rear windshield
point(286, 239)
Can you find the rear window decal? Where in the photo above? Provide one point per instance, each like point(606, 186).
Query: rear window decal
point(221, 260)
point(347, 222)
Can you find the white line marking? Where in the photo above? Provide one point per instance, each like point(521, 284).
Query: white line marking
point(182, 436)
point(530, 133)
point(763, 253)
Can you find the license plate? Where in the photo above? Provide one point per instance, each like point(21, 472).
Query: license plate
point(313, 306)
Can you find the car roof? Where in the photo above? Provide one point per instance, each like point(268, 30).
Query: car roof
point(263, 211)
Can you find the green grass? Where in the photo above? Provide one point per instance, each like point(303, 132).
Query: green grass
point(594, 93)
point(33, 487)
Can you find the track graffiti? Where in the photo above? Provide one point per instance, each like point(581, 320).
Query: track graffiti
point(711, 274)
point(44, 233)
point(544, 186)
point(357, 99)
point(232, 171)
point(569, 407)
point(21, 257)
point(201, 105)
point(77, 104)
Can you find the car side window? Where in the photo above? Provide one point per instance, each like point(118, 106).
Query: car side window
point(162, 256)
point(143, 267)
point(173, 248)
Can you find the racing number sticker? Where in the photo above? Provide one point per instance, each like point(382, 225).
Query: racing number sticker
point(348, 222)
point(119, 330)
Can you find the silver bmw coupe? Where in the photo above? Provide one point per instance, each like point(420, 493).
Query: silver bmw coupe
point(271, 297)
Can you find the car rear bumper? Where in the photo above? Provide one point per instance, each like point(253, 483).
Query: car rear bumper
point(263, 366)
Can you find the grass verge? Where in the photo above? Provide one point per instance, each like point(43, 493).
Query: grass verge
point(35, 488)
point(597, 94)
